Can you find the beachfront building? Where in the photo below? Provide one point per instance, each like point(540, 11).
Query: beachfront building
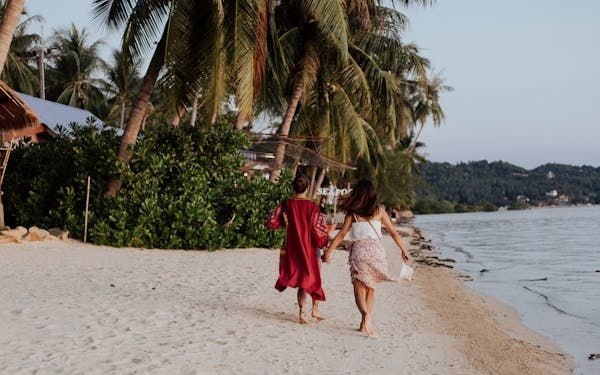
point(259, 156)
point(23, 116)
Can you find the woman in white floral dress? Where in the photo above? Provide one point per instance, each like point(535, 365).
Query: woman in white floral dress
point(368, 265)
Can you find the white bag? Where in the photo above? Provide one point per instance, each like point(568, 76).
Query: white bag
point(406, 272)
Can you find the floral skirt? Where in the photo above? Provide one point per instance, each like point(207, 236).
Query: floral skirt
point(368, 263)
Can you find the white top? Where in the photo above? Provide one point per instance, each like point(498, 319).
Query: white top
point(362, 229)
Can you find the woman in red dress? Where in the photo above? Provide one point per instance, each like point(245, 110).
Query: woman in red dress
point(306, 231)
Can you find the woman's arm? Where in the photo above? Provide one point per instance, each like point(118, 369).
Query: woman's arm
point(338, 238)
point(385, 219)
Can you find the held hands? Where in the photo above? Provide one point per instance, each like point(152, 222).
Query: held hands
point(405, 256)
point(326, 256)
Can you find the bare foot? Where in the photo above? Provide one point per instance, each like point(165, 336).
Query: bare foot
point(367, 328)
point(302, 319)
point(315, 314)
point(361, 326)
point(370, 331)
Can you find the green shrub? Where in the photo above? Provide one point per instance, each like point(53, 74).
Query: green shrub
point(182, 189)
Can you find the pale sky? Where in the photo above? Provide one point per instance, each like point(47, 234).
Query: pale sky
point(526, 79)
point(525, 73)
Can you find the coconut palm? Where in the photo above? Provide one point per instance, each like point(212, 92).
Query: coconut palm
point(307, 34)
point(19, 71)
point(359, 99)
point(10, 19)
point(426, 103)
point(74, 69)
point(198, 54)
point(396, 184)
point(123, 79)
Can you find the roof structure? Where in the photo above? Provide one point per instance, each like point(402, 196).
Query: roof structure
point(16, 117)
point(295, 151)
point(52, 114)
point(22, 115)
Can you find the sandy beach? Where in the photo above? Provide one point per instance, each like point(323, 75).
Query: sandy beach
point(70, 308)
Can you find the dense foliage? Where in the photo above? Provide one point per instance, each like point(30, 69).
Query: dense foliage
point(483, 186)
point(183, 189)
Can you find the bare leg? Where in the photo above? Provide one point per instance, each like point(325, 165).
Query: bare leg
point(301, 301)
point(370, 302)
point(360, 297)
point(315, 311)
point(315, 304)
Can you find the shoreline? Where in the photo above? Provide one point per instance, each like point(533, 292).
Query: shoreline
point(75, 308)
point(495, 339)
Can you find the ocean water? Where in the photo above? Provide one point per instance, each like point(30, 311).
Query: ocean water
point(544, 262)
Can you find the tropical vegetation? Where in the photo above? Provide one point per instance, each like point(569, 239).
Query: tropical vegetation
point(182, 190)
point(485, 186)
point(334, 76)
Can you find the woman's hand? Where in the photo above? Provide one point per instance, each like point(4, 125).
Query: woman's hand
point(326, 256)
point(405, 256)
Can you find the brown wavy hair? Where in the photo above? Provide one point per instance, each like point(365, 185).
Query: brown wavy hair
point(361, 201)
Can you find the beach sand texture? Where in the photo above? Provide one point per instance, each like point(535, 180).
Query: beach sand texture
point(70, 308)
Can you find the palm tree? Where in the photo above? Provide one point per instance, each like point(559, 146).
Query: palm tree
point(74, 68)
point(123, 79)
point(198, 54)
point(396, 184)
point(305, 32)
point(426, 103)
point(19, 73)
point(10, 19)
point(355, 105)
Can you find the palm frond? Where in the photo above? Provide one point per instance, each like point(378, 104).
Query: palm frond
point(240, 40)
point(144, 25)
point(112, 13)
point(331, 19)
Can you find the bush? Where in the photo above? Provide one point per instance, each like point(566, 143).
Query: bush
point(431, 206)
point(45, 183)
point(182, 189)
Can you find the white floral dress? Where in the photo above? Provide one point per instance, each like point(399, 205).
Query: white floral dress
point(367, 259)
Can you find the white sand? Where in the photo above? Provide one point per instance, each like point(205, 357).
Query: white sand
point(69, 308)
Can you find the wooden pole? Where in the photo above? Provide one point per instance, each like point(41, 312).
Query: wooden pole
point(87, 205)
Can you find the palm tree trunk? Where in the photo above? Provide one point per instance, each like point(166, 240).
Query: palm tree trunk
point(241, 121)
point(176, 120)
point(284, 130)
point(138, 112)
point(313, 176)
point(194, 113)
point(319, 182)
point(295, 165)
point(122, 115)
point(12, 14)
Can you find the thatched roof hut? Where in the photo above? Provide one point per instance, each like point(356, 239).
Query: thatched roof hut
point(22, 116)
point(17, 119)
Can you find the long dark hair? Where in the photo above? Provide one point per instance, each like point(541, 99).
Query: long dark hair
point(361, 201)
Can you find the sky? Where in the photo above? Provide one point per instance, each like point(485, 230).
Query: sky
point(526, 79)
point(525, 74)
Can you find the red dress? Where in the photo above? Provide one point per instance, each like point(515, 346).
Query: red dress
point(305, 232)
